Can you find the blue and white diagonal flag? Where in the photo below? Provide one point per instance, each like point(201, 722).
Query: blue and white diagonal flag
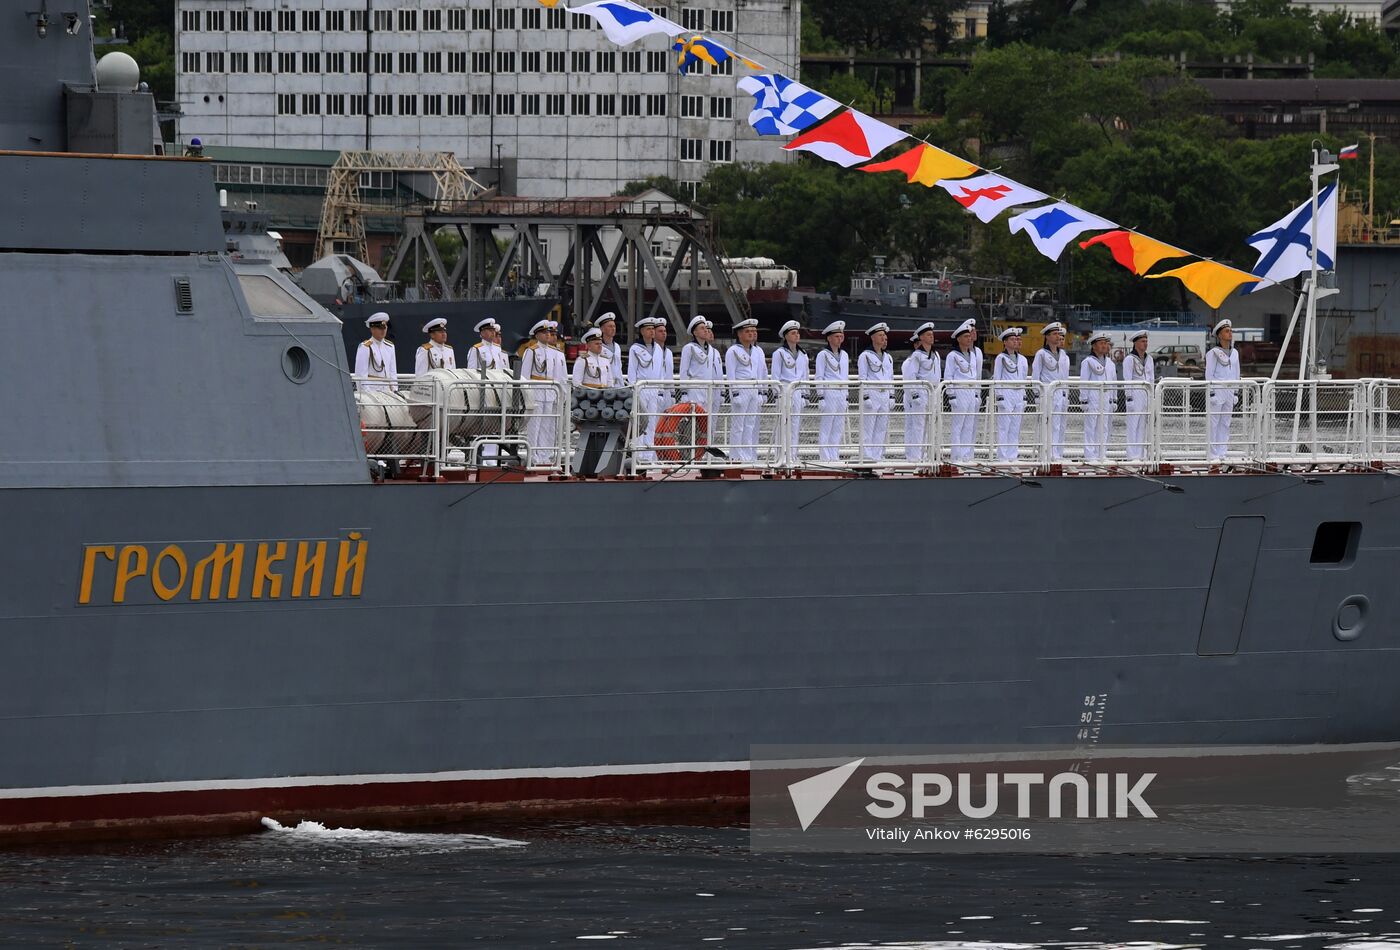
point(1285, 247)
point(784, 106)
point(625, 22)
point(1052, 227)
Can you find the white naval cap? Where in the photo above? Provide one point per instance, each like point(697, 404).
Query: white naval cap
point(439, 324)
point(790, 325)
point(696, 321)
point(965, 327)
point(380, 317)
point(750, 322)
point(1140, 335)
point(923, 327)
point(878, 328)
point(1222, 325)
point(838, 327)
point(1054, 326)
point(605, 318)
point(1098, 335)
point(541, 326)
point(488, 322)
point(1009, 332)
point(592, 333)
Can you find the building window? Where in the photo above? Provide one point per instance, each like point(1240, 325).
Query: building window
point(721, 21)
point(238, 21)
point(359, 105)
point(692, 189)
point(481, 19)
point(578, 104)
point(721, 150)
point(632, 105)
point(530, 18)
point(554, 62)
point(335, 21)
point(262, 62)
point(214, 21)
point(505, 62)
point(189, 21)
point(335, 62)
point(335, 104)
point(970, 31)
point(721, 107)
point(505, 18)
point(311, 63)
point(505, 104)
point(656, 61)
point(554, 19)
point(457, 20)
point(481, 62)
point(530, 61)
point(287, 21)
point(408, 62)
point(383, 21)
point(262, 21)
point(310, 104)
point(432, 21)
point(408, 21)
point(238, 62)
point(607, 105)
point(530, 104)
point(581, 21)
point(656, 104)
point(692, 107)
point(358, 19)
point(605, 62)
point(383, 104)
point(457, 104)
point(384, 62)
point(286, 62)
point(286, 103)
point(456, 62)
point(432, 105)
point(189, 62)
point(693, 18)
point(554, 104)
point(481, 104)
point(632, 62)
point(359, 62)
point(690, 150)
point(580, 60)
point(311, 21)
point(378, 181)
point(432, 62)
point(408, 105)
point(725, 68)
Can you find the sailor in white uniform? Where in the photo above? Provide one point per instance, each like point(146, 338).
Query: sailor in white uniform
point(875, 365)
point(832, 364)
point(1051, 365)
point(641, 364)
point(745, 362)
point(1223, 365)
point(607, 323)
point(664, 365)
point(543, 363)
point(963, 364)
point(921, 366)
point(592, 368)
point(1138, 368)
point(487, 354)
point(435, 354)
point(701, 368)
point(376, 368)
point(790, 365)
point(1097, 401)
point(1010, 366)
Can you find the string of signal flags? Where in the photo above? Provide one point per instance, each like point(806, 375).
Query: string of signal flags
point(824, 127)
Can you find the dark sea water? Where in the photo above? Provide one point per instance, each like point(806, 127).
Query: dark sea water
point(556, 884)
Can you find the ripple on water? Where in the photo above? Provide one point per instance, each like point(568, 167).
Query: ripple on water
point(314, 831)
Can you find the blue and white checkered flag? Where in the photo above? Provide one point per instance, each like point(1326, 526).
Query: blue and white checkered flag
point(784, 106)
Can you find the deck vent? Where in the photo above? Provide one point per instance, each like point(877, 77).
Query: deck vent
point(184, 296)
point(1335, 543)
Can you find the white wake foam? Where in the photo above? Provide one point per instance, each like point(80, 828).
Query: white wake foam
point(315, 831)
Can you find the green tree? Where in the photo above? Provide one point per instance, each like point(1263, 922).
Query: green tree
point(894, 25)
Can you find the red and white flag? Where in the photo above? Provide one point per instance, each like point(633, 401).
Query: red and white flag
point(850, 138)
point(1351, 151)
point(989, 195)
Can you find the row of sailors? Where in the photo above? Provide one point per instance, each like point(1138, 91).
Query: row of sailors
point(600, 366)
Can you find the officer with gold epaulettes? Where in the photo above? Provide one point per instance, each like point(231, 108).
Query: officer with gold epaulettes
point(543, 363)
point(488, 354)
point(376, 367)
point(435, 354)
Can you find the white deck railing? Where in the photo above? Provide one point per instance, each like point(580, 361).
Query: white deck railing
point(917, 427)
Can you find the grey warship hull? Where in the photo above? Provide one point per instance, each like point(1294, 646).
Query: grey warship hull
point(551, 644)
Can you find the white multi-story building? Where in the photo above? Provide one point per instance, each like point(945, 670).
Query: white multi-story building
point(499, 82)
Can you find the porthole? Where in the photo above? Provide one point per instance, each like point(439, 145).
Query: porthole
point(296, 364)
point(1350, 618)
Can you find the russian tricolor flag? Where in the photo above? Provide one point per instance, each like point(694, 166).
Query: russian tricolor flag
point(1349, 152)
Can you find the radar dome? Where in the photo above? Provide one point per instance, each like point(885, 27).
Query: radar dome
point(117, 72)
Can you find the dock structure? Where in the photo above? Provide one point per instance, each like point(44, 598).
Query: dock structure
point(608, 241)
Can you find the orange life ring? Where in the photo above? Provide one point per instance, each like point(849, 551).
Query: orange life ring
point(683, 426)
point(945, 285)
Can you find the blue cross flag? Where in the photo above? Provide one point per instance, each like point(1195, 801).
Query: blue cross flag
point(784, 106)
point(1285, 247)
